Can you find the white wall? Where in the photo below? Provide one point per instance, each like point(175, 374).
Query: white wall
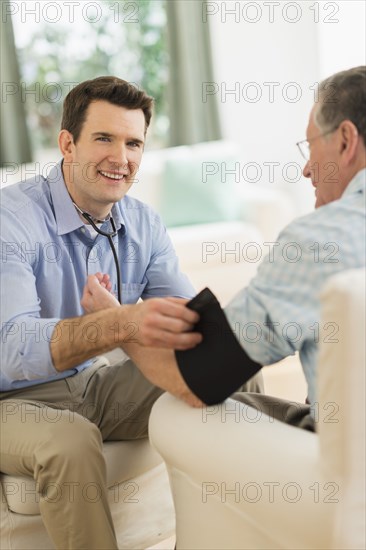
point(343, 45)
point(287, 42)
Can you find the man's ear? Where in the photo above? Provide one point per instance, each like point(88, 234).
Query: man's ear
point(66, 145)
point(349, 140)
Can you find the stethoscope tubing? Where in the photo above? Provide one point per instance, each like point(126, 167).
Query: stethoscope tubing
point(111, 244)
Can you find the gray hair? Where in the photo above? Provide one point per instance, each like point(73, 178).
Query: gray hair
point(342, 97)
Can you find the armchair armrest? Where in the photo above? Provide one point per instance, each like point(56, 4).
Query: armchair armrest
point(239, 478)
point(341, 391)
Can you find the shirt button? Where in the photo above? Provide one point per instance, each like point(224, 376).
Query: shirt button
point(83, 229)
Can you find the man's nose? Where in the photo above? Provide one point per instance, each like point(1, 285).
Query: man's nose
point(119, 155)
point(306, 170)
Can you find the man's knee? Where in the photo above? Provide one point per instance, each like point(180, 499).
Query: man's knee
point(70, 439)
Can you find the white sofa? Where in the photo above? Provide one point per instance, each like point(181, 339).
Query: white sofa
point(243, 481)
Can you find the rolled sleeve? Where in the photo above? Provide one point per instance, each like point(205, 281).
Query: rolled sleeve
point(25, 336)
point(26, 351)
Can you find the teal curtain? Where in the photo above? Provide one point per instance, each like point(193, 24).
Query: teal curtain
point(191, 119)
point(14, 139)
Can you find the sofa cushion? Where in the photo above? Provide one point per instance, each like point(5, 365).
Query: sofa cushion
point(196, 187)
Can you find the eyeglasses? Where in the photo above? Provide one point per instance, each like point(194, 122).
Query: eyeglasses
point(304, 146)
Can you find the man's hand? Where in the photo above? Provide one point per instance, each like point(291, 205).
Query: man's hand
point(157, 322)
point(164, 323)
point(97, 293)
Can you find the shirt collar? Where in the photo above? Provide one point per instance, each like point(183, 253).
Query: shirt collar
point(357, 184)
point(117, 215)
point(67, 218)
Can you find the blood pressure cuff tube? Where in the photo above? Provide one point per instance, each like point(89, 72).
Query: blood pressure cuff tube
point(218, 366)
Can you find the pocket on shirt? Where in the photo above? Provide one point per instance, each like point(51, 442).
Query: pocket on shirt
point(131, 292)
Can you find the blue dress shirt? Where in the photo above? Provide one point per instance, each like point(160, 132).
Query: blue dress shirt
point(47, 253)
point(279, 312)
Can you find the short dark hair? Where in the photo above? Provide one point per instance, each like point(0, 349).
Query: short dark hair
point(104, 88)
point(343, 97)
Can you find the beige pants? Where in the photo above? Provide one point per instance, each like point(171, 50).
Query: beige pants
point(53, 432)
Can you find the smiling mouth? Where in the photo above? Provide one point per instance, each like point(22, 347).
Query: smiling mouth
point(112, 175)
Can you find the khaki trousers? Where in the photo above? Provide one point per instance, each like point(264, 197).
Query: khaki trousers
point(53, 432)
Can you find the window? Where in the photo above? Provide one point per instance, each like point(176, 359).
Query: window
point(60, 44)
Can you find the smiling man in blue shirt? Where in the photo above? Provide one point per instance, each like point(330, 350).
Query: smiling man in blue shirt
point(48, 344)
point(49, 248)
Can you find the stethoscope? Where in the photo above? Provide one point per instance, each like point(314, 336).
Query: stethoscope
point(109, 236)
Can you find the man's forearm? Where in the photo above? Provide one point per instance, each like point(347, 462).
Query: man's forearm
point(159, 366)
point(80, 338)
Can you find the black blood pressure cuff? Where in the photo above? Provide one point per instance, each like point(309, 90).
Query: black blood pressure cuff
point(218, 366)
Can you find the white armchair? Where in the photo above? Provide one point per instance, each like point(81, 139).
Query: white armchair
point(241, 480)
